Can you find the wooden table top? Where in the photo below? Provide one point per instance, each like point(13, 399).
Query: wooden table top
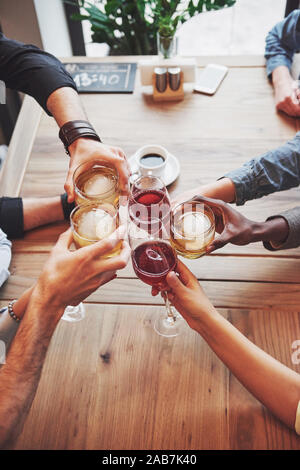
point(109, 381)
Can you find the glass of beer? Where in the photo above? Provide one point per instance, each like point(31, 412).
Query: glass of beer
point(96, 181)
point(192, 228)
point(90, 223)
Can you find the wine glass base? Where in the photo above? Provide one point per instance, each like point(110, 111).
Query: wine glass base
point(165, 326)
point(73, 314)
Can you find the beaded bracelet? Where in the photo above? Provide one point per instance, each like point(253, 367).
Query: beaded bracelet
point(11, 311)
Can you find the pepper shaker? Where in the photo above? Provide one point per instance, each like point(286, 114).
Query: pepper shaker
point(174, 75)
point(160, 79)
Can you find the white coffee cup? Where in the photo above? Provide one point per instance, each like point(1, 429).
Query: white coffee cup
point(151, 160)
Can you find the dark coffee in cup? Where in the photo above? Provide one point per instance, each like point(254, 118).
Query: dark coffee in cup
point(151, 160)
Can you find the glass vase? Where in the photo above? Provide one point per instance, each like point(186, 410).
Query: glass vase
point(167, 46)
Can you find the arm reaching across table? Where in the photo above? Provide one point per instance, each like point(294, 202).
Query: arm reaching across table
point(276, 170)
point(271, 382)
point(40, 310)
point(65, 106)
point(281, 43)
point(234, 228)
point(26, 68)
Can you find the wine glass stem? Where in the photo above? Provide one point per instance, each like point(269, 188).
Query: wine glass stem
point(170, 312)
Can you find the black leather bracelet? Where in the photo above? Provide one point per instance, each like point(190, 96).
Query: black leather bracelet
point(74, 130)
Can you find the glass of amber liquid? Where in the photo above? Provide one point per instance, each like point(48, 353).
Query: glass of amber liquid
point(96, 181)
point(91, 222)
point(94, 221)
point(192, 228)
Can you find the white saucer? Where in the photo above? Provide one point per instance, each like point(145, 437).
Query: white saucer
point(169, 175)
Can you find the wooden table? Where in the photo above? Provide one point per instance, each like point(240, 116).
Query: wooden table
point(110, 382)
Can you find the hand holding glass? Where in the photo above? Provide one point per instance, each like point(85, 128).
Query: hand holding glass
point(153, 258)
point(90, 223)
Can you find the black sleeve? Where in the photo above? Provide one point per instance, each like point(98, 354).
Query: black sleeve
point(26, 68)
point(11, 217)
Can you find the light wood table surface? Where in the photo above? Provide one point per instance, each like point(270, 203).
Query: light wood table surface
point(110, 382)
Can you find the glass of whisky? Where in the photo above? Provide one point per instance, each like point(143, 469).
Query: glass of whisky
point(94, 221)
point(96, 181)
point(192, 228)
point(91, 222)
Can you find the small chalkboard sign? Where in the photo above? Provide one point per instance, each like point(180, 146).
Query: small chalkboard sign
point(104, 77)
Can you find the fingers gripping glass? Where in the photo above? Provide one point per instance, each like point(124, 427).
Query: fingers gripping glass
point(94, 181)
point(152, 259)
point(90, 223)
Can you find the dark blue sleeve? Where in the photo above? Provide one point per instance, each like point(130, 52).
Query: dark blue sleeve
point(282, 42)
point(26, 68)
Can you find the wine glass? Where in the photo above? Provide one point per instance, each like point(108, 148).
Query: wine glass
point(149, 202)
point(153, 258)
point(90, 223)
point(192, 228)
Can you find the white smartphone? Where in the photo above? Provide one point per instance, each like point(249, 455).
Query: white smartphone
point(210, 79)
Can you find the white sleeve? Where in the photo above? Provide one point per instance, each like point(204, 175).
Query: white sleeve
point(5, 257)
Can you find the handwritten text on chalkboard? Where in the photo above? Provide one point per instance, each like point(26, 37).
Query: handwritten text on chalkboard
point(103, 77)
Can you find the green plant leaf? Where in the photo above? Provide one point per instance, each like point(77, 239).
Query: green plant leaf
point(131, 26)
point(112, 7)
point(79, 17)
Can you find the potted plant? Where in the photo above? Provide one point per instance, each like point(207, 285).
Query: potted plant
point(131, 27)
point(168, 20)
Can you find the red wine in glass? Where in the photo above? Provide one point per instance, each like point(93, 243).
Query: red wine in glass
point(150, 205)
point(153, 258)
point(147, 197)
point(152, 261)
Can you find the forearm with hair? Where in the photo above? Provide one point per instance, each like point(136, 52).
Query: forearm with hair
point(21, 304)
point(19, 377)
point(65, 105)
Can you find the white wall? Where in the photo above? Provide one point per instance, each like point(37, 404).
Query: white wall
point(53, 27)
point(240, 29)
